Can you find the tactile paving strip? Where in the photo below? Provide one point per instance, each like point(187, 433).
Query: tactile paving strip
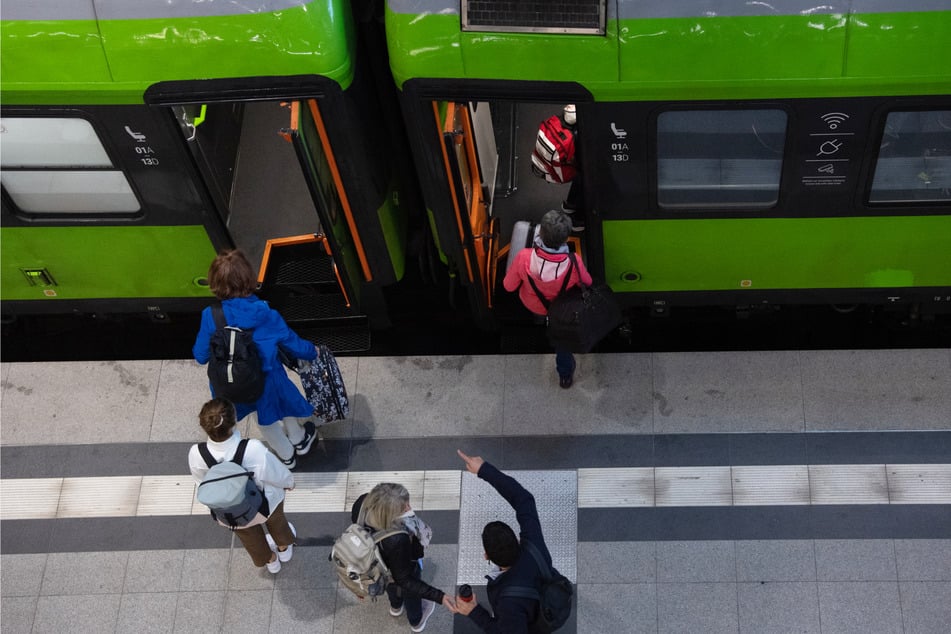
point(556, 497)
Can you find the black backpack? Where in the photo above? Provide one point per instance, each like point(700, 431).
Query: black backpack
point(554, 595)
point(234, 367)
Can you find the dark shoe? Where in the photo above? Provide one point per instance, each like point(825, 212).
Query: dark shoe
point(290, 463)
point(568, 209)
point(310, 434)
point(566, 381)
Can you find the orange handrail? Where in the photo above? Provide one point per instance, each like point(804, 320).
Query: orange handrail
point(338, 182)
point(452, 185)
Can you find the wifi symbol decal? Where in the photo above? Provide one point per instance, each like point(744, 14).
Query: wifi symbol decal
point(833, 119)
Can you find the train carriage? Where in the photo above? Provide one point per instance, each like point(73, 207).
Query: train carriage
point(731, 154)
point(139, 138)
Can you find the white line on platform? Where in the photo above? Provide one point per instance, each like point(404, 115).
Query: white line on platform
point(127, 496)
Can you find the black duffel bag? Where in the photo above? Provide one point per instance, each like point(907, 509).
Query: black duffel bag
point(581, 316)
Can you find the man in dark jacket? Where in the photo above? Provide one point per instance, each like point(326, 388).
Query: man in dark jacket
point(513, 615)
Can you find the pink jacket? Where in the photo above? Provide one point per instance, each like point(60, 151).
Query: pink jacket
point(548, 270)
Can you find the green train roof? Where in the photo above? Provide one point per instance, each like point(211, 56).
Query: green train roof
point(110, 51)
point(691, 49)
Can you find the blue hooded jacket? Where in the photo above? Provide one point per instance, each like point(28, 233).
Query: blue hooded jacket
point(281, 398)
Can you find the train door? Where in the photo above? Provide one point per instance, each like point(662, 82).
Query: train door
point(485, 192)
point(307, 133)
point(250, 172)
point(470, 178)
point(271, 173)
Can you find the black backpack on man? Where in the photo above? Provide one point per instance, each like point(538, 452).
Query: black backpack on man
point(554, 595)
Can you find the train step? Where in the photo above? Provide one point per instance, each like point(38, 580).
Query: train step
point(316, 270)
point(300, 283)
point(340, 339)
point(312, 307)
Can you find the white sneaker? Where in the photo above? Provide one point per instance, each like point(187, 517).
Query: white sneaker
point(395, 612)
point(428, 608)
point(310, 435)
point(274, 567)
point(282, 555)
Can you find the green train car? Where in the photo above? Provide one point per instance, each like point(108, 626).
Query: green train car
point(139, 138)
point(730, 154)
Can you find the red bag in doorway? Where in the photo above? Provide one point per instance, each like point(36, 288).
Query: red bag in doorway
point(554, 152)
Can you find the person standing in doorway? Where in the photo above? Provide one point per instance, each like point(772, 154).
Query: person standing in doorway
point(546, 264)
point(574, 202)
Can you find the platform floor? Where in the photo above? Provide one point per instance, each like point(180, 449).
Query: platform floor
point(796, 491)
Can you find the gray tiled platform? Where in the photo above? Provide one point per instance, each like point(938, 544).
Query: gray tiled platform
point(628, 584)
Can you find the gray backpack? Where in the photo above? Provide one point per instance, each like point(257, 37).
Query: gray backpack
point(229, 491)
point(359, 564)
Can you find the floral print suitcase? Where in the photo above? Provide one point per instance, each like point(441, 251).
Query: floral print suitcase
point(323, 386)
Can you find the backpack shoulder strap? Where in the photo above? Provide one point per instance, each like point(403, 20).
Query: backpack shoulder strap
point(541, 298)
point(379, 536)
point(218, 313)
point(527, 592)
point(239, 452)
point(572, 263)
point(206, 455)
point(520, 592)
point(571, 256)
point(543, 566)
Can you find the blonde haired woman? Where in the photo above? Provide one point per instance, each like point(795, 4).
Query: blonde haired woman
point(387, 506)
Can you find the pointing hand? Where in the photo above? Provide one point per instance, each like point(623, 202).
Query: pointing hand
point(473, 463)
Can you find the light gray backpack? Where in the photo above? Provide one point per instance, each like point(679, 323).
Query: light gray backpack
point(229, 490)
point(359, 564)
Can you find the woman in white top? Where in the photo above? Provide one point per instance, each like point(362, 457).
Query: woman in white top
point(269, 549)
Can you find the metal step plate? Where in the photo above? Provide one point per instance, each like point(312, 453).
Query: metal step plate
point(556, 497)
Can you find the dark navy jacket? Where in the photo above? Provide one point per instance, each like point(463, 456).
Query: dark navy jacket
point(514, 615)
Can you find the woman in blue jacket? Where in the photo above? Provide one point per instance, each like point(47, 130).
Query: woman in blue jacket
point(281, 410)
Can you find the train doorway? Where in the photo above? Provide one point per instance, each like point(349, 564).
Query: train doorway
point(251, 172)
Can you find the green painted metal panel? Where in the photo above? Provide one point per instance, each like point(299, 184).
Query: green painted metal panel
point(140, 261)
point(906, 45)
point(114, 61)
point(393, 223)
point(737, 57)
point(778, 253)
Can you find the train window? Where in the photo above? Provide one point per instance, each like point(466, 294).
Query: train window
point(59, 165)
point(914, 160)
point(719, 158)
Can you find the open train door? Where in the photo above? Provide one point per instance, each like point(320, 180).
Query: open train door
point(306, 131)
point(322, 279)
point(470, 180)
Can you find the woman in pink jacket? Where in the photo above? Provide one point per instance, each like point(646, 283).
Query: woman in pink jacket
point(547, 263)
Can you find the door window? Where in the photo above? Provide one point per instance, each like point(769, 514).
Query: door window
point(60, 166)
